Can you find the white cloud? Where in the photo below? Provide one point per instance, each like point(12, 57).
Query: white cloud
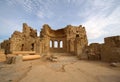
point(40, 14)
point(10, 26)
point(97, 15)
point(97, 25)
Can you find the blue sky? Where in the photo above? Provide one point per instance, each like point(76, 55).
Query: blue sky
point(100, 17)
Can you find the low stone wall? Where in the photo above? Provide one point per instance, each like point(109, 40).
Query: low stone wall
point(110, 54)
point(2, 55)
point(110, 51)
point(93, 51)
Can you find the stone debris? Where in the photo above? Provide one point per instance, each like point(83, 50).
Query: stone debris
point(12, 59)
point(113, 64)
point(53, 58)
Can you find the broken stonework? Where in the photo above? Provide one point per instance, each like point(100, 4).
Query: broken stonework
point(2, 55)
point(70, 39)
point(110, 50)
point(94, 51)
point(12, 59)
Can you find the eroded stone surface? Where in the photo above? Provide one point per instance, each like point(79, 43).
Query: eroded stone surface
point(108, 51)
point(70, 39)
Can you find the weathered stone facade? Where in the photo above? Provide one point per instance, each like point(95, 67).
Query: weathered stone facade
point(110, 50)
point(71, 39)
point(6, 46)
point(94, 51)
point(23, 41)
point(2, 55)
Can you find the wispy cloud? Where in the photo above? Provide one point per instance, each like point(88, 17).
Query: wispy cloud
point(98, 23)
point(100, 17)
point(8, 28)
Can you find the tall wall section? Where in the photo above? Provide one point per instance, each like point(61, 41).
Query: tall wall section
point(74, 39)
point(110, 51)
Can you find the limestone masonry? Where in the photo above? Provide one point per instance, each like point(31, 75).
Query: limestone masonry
point(71, 39)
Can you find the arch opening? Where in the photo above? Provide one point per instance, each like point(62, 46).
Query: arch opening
point(55, 44)
point(61, 44)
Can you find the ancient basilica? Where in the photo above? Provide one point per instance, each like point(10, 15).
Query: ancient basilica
point(70, 39)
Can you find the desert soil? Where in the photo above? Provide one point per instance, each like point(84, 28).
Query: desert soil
point(67, 69)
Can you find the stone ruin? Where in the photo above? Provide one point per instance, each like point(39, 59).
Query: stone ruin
point(70, 39)
point(109, 51)
point(93, 51)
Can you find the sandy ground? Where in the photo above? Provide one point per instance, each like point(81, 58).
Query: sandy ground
point(67, 69)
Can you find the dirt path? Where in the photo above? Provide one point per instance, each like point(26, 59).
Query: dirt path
point(69, 69)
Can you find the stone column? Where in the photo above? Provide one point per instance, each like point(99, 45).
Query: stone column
point(67, 45)
point(52, 44)
point(58, 44)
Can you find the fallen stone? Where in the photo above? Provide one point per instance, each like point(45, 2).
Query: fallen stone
point(113, 64)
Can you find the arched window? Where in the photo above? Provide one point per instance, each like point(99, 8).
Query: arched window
point(55, 44)
point(61, 44)
point(50, 44)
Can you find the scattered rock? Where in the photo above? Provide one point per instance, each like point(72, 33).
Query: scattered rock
point(53, 58)
point(113, 64)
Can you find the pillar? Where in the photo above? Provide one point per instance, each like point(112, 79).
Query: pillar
point(52, 44)
point(58, 44)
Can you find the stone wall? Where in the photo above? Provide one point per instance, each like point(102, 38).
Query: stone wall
point(6, 46)
point(16, 41)
point(2, 55)
point(26, 40)
point(67, 35)
point(110, 51)
point(74, 40)
point(93, 51)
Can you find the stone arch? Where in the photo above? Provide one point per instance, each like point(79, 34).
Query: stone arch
point(61, 44)
point(55, 44)
point(51, 43)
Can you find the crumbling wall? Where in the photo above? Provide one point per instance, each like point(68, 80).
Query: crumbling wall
point(45, 38)
point(76, 39)
point(110, 51)
point(28, 31)
point(73, 39)
point(68, 35)
point(2, 55)
point(93, 51)
point(16, 41)
point(6, 46)
point(25, 40)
